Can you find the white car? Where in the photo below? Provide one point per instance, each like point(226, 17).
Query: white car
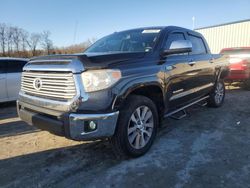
point(10, 77)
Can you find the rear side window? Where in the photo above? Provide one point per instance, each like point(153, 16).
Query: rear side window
point(15, 66)
point(3, 65)
point(172, 37)
point(198, 45)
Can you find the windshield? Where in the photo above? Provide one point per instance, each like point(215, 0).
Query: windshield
point(139, 40)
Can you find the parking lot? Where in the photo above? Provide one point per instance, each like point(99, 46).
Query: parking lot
point(208, 148)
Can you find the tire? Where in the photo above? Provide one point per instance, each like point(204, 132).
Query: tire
point(133, 137)
point(217, 96)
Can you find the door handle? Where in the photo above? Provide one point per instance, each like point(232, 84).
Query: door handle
point(191, 63)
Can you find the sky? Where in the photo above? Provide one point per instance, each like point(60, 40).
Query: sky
point(75, 21)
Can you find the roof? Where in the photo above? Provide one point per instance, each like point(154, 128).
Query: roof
point(14, 58)
point(228, 23)
point(159, 27)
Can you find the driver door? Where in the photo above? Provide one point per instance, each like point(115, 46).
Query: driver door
point(178, 71)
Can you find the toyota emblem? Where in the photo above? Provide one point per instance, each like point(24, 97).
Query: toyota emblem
point(37, 84)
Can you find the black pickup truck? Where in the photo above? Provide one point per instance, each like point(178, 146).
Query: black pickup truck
point(122, 86)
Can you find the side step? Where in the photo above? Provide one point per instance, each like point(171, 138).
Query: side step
point(201, 104)
point(182, 109)
point(182, 115)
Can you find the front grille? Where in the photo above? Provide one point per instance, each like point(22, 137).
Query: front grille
point(59, 86)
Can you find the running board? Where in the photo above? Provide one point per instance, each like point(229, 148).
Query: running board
point(183, 108)
point(182, 115)
point(201, 104)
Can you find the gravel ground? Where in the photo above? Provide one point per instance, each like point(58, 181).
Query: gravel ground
point(208, 148)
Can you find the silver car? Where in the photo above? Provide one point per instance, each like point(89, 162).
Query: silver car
point(10, 77)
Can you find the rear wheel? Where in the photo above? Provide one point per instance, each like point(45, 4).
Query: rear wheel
point(217, 96)
point(136, 128)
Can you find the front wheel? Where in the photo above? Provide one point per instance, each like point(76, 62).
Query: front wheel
point(217, 96)
point(136, 127)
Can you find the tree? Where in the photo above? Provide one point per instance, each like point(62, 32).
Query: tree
point(17, 42)
point(9, 40)
point(3, 36)
point(24, 37)
point(16, 38)
point(33, 42)
point(46, 42)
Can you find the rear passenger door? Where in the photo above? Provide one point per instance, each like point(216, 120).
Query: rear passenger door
point(3, 90)
point(202, 78)
point(13, 79)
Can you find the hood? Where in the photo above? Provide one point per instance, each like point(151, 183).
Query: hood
point(106, 59)
point(79, 62)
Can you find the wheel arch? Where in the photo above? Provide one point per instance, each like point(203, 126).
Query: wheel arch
point(152, 90)
point(222, 73)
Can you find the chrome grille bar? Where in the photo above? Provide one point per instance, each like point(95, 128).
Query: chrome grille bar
point(59, 86)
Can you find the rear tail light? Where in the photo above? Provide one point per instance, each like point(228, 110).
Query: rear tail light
point(244, 65)
point(238, 64)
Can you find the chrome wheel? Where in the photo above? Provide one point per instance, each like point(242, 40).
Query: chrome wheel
point(219, 93)
point(140, 127)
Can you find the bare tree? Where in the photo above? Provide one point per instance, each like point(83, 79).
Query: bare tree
point(9, 39)
point(15, 41)
point(33, 41)
point(24, 37)
point(3, 36)
point(16, 38)
point(46, 42)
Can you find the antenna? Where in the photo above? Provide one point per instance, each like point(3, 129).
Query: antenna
point(75, 32)
point(193, 19)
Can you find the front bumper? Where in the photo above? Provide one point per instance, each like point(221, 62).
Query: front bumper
point(71, 125)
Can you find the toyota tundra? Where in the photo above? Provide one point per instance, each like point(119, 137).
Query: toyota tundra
point(122, 86)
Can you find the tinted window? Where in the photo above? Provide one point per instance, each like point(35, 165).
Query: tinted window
point(3, 66)
point(138, 40)
point(198, 45)
point(15, 66)
point(172, 37)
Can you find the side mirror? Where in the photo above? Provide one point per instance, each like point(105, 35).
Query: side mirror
point(178, 47)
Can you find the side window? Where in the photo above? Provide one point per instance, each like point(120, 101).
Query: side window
point(15, 66)
point(3, 66)
point(172, 37)
point(198, 45)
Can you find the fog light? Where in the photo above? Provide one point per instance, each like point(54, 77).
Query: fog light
point(92, 125)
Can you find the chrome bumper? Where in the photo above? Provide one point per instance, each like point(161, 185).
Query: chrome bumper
point(106, 124)
point(72, 125)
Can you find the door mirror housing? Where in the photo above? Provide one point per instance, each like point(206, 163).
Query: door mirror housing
point(178, 47)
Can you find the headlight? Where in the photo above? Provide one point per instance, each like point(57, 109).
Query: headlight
point(95, 80)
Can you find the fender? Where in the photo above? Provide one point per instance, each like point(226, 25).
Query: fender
point(135, 84)
point(222, 73)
